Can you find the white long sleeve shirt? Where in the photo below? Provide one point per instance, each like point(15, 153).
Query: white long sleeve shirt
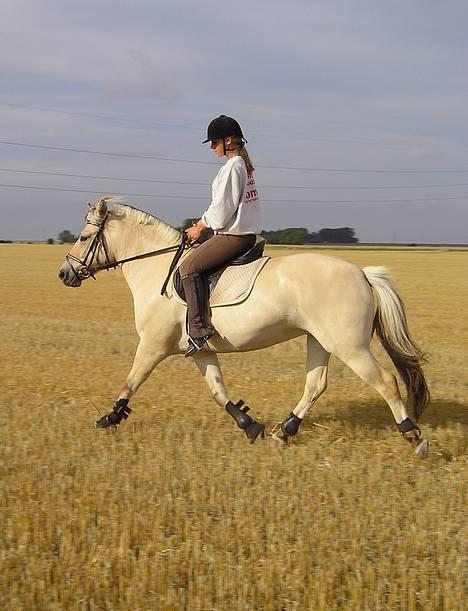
point(235, 206)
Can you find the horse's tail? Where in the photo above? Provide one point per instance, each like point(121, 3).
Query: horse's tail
point(391, 327)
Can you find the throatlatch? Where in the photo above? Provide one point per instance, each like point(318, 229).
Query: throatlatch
point(119, 412)
point(245, 422)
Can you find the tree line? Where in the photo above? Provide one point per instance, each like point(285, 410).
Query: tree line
point(289, 235)
point(296, 235)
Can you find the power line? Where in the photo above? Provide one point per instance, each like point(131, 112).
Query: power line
point(193, 161)
point(106, 153)
point(98, 116)
point(190, 127)
point(96, 192)
point(286, 201)
point(204, 184)
point(151, 180)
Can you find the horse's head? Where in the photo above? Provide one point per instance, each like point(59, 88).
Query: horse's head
point(90, 251)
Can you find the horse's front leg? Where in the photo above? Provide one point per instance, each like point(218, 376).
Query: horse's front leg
point(208, 364)
point(147, 356)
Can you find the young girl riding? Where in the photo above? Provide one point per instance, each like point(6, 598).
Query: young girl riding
point(233, 215)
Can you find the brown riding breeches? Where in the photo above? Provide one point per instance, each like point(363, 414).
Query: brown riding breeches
point(213, 253)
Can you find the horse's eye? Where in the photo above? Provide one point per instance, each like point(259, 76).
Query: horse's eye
point(83, 238)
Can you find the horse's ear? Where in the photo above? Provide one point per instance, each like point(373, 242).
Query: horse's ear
point(101, 208)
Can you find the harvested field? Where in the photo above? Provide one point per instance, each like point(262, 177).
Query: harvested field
point(175, 510)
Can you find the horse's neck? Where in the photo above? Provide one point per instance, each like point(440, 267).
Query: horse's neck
point(130, 240)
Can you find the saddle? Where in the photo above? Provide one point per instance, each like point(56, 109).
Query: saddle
point(230, 283)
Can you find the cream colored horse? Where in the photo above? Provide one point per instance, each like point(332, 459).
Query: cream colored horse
point(336, 304)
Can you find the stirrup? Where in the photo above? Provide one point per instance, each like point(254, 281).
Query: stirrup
point(196, 344)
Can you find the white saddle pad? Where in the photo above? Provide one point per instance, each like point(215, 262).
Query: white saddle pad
point(234, 285)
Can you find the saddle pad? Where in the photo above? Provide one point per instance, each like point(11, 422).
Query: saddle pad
point(234, 285)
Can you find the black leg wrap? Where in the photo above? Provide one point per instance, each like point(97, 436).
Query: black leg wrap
point(119, 412)
point(251, 428)
point(408, 425)
point(291, 425)
point(240, 415)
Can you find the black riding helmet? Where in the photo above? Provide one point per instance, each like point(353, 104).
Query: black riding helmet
point(223, 127)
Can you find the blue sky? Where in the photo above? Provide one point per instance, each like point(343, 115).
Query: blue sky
point(370, 97)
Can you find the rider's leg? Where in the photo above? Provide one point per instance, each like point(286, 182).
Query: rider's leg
point(196, 296)
point(213, 253)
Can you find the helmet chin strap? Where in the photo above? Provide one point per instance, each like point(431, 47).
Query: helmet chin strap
point(236, 147)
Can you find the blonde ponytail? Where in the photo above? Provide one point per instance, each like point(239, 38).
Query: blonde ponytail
point(248, 163)
point(238, 145)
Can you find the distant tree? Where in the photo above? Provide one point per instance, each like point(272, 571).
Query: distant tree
point(300, 235)
point(51, 241)
point(312, 238)
point(291, 235)
point(66, 237)
point(338, 235)
point(294, 235)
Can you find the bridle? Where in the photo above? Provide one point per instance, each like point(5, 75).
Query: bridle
point(87, 270)
point(98, 240)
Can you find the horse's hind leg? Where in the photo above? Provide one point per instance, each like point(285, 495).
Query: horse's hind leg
point(316, 384)
point(371, 371)
point(208, 364)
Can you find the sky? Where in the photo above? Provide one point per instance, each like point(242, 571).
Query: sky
point(355, 112)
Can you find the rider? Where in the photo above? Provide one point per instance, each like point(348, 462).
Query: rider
point(233, 215)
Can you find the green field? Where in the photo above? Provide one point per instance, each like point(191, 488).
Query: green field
point(175, 510)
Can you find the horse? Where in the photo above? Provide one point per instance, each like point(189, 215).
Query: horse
point(336, 304)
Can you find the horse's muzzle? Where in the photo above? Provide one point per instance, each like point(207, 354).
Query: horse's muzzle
point(69, 276)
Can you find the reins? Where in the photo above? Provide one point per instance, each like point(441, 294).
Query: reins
point(143, 255)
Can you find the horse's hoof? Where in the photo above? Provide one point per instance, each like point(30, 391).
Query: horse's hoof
point(422, 448)
point(278, 434)
point(103, 423)
point(254, 430)
point(419, 444)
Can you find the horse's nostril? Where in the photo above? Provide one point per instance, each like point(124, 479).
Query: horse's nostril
point(61, 274)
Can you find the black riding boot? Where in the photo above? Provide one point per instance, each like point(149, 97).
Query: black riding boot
point(199, 326)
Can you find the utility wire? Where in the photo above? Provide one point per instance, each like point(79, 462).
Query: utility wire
point(97, 116)
point(151, 180)
point(193, 161)
point(205, 184)
point(96, 192)
point(178, 126)
point(107, 153)
point(286, 201)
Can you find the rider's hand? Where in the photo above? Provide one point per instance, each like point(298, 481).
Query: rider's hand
point(193, 233)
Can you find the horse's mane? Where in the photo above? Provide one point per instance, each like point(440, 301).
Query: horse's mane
point(160, 228)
